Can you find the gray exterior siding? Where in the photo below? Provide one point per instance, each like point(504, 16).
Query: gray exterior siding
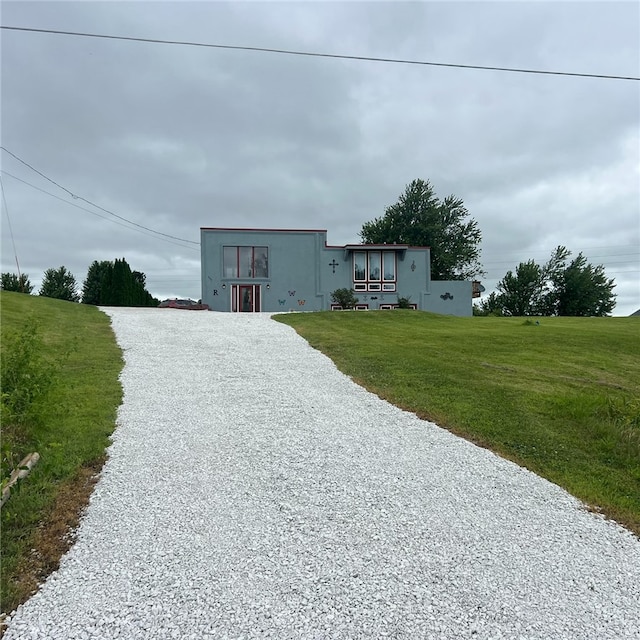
point(303, 271)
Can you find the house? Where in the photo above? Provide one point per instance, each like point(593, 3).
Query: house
point(254, 270)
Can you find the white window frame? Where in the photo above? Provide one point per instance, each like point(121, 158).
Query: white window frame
point(376, 276)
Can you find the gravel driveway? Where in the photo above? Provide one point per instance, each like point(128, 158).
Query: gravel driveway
point(253, 491)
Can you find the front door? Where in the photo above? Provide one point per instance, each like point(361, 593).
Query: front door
point(245, 298)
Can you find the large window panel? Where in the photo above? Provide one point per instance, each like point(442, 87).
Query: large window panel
point(374, 265)
point(359, 265)
point(374, 270)
point(230, 262)
point(389, 266)
point(261, 262)
point(245, 262)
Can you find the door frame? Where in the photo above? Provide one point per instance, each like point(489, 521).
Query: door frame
point(255, 299)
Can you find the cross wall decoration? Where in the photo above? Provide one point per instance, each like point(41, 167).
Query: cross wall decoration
point(334, 264)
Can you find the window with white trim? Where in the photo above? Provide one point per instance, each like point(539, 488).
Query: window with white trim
point(374, 271)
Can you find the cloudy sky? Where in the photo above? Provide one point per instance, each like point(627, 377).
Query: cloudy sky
point(173, 138)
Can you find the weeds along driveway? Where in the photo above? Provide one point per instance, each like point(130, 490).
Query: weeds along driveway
point(254, 491)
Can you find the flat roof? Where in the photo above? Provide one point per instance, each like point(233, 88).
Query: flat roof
point(256, 229)
point(346, 247)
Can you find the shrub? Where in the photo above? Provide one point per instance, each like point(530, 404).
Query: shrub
point(25, 374)
point(345, 298)
point(404, 303)
point(26, 377)
point(624, 415)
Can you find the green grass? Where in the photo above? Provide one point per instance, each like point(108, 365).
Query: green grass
point(70, 429)
point(561, 398)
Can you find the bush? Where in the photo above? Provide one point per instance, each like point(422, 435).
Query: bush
point(25, 374)
point(26, 377)
point(624, 415)
point(345, 298)
point(404, 303)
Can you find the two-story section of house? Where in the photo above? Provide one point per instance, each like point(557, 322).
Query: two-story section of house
point(271, 270)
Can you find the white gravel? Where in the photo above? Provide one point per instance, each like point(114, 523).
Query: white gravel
point(253, 491)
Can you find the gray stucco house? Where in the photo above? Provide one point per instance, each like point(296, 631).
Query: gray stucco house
point(253, 270)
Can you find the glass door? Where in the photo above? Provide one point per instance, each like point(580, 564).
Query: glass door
point(245, 298)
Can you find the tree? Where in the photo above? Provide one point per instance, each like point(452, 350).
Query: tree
point(559, 287)
point(491, 306)
point(114, 284)
point(92, 285)
point(521, 294)
point(419, 218)
point(13, 282)
point(584, 290)
point(139, 277)
point(59, 283)
point(122, 284)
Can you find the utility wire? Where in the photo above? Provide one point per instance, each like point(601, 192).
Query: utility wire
point(13, 242)
point(93, 204)
point(321, 55)
point(93, 213)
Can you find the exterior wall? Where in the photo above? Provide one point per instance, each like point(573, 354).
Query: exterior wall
point(303, 271)
point(292, 282)
point(450, 297)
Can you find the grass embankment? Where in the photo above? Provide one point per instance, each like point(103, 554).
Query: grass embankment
point(561, 398)
point(77, 361)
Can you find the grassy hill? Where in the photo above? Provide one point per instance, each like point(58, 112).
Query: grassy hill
point(65, 354)
point(560, 397)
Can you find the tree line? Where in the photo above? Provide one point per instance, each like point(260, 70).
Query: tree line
point(109, 283)
point(560, 287)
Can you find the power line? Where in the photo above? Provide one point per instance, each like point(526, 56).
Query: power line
point(93, 213)
point(186, 43)
point(605, 261)
point(13, 242)
point(93, 204)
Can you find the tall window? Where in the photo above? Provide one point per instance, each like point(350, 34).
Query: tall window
point(389, 266)
point(374, 270)
point(359, 265)
point(245, 262)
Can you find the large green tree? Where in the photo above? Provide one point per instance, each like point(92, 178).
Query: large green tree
point(14, 282)
point(584, 290)
point(521, 293)
point(92, 285)
point(419, 218)
point(559, 287)
point(114, 284)
point(59, 283)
